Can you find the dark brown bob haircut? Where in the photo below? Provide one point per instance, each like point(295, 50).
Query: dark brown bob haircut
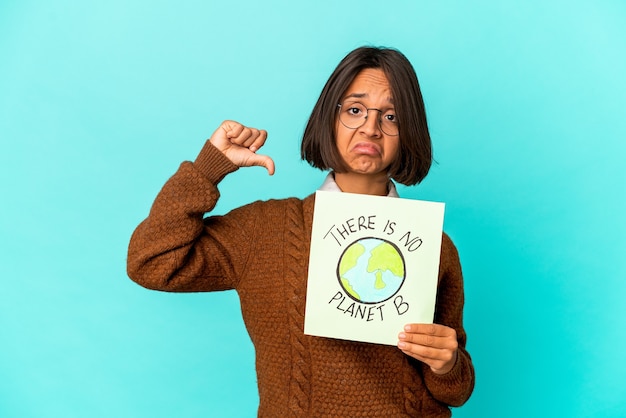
point(415, 155)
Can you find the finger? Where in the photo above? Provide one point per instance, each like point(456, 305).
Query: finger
point(442, 362)
point(437, 330)
point(249, 138)
point(259, 141)
point(423, 352)
point(231, 128)
point(221, 137)
point(428, 340)
point(240, 136)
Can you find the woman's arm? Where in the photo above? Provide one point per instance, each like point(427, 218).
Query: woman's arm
point(440, 347)
point(175, 249)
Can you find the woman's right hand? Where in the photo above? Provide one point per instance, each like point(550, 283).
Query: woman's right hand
point(240, 143)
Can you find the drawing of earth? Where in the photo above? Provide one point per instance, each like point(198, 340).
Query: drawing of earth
point(371, 270)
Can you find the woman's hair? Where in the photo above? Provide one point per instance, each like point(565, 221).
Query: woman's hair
point(415, 155)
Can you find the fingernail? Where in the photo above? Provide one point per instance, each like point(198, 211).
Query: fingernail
point(402, 336)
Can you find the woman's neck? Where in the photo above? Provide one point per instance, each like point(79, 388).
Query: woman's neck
point(377, 185)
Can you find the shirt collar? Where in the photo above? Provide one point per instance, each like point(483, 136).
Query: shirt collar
point(329, 185)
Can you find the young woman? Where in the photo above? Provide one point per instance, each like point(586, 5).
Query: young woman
point(368, 128)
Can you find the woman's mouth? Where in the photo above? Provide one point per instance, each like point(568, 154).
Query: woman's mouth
point(367, 148)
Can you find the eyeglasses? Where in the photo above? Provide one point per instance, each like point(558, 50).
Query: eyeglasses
point(353, 115)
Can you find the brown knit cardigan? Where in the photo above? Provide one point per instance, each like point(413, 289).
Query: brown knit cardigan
point(261, 250)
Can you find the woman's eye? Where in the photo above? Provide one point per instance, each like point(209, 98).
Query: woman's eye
point(354, 111)
point(391, 117)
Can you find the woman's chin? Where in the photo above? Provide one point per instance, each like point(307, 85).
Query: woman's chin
point(366, 167)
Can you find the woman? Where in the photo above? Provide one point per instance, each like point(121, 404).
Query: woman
point(368, 127)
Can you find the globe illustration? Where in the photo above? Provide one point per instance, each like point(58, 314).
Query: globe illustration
point(371, 270)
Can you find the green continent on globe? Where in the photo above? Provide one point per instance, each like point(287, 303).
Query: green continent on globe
point(379, 283)
point(348, 262)
point(385, 257)
point(348, 288)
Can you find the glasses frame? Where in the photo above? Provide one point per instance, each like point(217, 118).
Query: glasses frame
point(367, 109)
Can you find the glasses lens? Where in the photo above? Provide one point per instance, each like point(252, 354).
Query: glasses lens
point(354, 114)
point(389, 122)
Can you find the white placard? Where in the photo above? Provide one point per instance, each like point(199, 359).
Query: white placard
point(373, 266)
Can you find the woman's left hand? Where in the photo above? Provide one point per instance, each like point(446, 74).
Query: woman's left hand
point(433, 344)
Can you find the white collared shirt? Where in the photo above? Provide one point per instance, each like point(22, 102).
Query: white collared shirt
point(329, 185)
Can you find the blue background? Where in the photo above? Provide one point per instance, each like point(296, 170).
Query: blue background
point(100, 102)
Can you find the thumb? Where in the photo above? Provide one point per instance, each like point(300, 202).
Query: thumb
point(262, 161)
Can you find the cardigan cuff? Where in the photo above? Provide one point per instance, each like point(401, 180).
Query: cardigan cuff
point(454, 387)
point(213, 164)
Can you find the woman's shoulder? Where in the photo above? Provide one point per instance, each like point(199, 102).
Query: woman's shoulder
point(276, 205)
point(446, 240)
point(281, 202)
point(449, 252)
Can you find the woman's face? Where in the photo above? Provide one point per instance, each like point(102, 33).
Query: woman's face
point(367, 149)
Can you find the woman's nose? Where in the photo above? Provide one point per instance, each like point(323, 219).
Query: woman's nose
point(372, 124)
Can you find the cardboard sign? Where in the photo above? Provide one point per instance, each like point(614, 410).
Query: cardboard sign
point(373, 266)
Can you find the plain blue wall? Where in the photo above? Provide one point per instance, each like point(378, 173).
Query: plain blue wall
point(100, 102)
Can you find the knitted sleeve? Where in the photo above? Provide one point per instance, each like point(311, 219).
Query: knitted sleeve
point(455, 387)
point(174, 248)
